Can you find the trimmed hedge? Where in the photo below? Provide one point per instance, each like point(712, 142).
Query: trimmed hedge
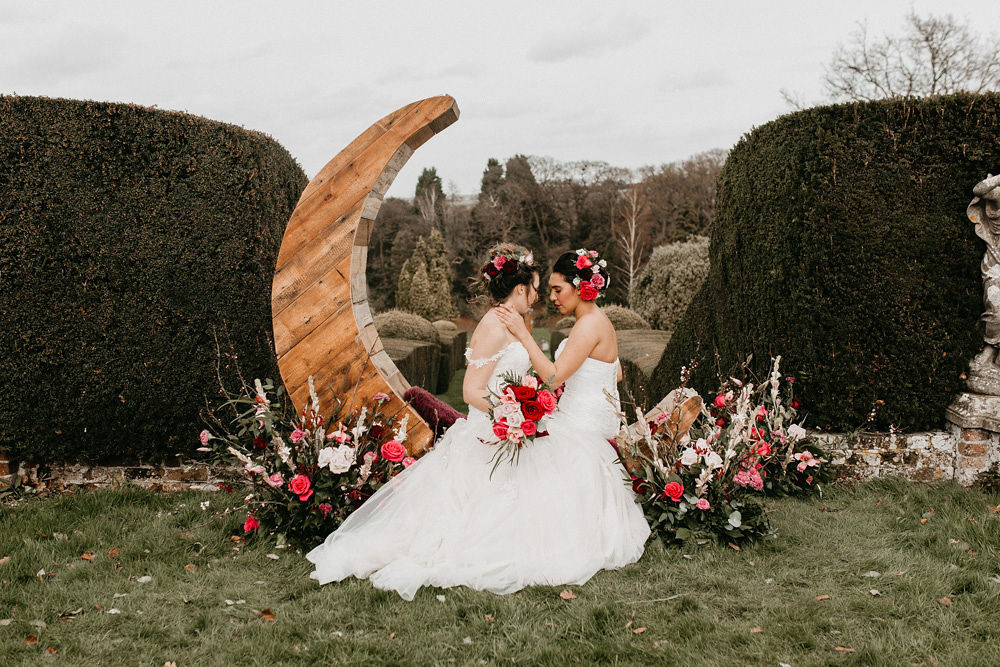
point(841, 243)
point(622, 318)
point(127, 235)
point(639, 351)
point(664, 287)
point(401, 324)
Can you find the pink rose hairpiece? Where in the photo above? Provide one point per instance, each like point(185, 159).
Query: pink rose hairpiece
point(591, 278)
point(507, 263)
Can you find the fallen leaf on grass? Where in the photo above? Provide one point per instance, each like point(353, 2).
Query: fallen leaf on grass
point(190, 567)
point(267, 615)
point(874, 592)
point(734, 547)
point(273, 556)
point(638, 631)
point(843, 649)
point(688, 556)
point(38, 623)
point(822, 597)
point(489, 617)
point(4, 560)
point(996, 509)
point(113, 553)
point(871, 573)
point(30, 639)
point(392, 636)
point(757, 629)
point(51, 650)
point(87, 556)
point(68, 615)
point(41, 575)
point(946, 600)
point(568, 595)
point(114, 611)
point(923, 521)
point(4, 622)
point(467, 640)
point(145, 579)
point(550, 624)
point(441, 598)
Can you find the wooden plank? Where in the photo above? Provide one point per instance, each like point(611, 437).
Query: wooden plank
point(322, 321)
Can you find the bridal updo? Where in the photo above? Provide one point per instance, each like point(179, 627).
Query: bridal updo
point(585, 270)
point(508, 266)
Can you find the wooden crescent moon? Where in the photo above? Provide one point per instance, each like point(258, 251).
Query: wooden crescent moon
point(323, 325)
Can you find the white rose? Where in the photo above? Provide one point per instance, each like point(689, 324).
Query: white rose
point(325, 457)
point(689, 456)
point(713, 460)
point(796, 432)
point(515, 419)
point(342, 459)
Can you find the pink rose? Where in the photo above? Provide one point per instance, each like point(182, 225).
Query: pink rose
point(203, 436)
point(597, 280)
point(587, 291)
point(408, 461)
point(325, 509)
point(529, 381)
point(500, 428)
point(674, 490)
point(299, 485)
point(583, 262)
point(275, 480)
point(371, 457)
point(528, 427)
point(546, 400)
point(393, 451)
point(250, 524)
point(297, 435)
point(763, 449)
point(703, 504)
point(499, 261)
point(720, 401)
point(381, 396)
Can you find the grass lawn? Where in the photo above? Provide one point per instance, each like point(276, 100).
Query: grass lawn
point(209, 600)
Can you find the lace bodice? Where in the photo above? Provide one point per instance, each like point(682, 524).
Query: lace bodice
point(584, 400)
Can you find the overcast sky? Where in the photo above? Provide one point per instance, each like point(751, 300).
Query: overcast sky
point(630, 83)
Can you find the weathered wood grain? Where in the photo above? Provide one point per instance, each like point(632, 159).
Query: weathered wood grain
point(319, 298)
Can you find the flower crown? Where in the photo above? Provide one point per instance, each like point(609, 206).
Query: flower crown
point(507, 263)
point(590, 279)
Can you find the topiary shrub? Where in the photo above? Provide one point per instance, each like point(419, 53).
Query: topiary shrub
point(128, 237)
point(664, 287)
point(445, 326)
point(401, 324)
point(622, 317)
point(841, 243)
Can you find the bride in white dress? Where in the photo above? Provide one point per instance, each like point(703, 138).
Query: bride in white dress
point(556, 517)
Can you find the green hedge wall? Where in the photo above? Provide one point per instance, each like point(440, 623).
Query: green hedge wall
point(126, 235)
point(841, 243)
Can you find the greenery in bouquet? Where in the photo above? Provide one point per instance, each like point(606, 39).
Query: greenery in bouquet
point(701, 471)
point(307, 471)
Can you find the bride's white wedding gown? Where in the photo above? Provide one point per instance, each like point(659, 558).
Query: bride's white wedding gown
point(557, 516)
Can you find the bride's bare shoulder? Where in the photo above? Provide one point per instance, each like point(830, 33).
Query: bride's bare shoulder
point(489, 334)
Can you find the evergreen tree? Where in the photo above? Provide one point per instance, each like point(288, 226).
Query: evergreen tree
point(492, 177)
point(439, 272)
point(407, 297)
point(421, 295)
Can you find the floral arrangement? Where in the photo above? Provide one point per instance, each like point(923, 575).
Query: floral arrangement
point(592, 277)
point(518, 412)
point(701, 472)
point(507, 263)
point(308, 472)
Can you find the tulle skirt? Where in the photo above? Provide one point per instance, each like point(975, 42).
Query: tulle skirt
point(559, 515)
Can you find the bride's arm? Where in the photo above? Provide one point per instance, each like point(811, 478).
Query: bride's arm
point(487, 341)
point(579, 345)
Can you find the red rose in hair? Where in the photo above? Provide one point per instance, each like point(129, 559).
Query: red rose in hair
point(510, 266)
point(528, 427)
point(523, 393)
point(533, 410)
point(583, 262)
point(587, 291)
point(492, 271)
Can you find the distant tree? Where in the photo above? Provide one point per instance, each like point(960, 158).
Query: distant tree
point(681, 196)
point(429, 196)
point(933, 56)
point(629, 235)
point(492, 177)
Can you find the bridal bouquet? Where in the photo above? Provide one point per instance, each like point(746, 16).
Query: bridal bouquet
point(700, 472)
point(518, 412)
point(307, 471)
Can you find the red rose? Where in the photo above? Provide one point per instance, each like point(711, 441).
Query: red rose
point(532, 410)
point(250, 524)
point(583, 262)
point(640, 486)
point(299, 485)
point(528, 427)
point(510, 267)
point(393, 451)
point(763, 449)
point(492, 271)
point(675, 490)
point(258, 442)
point(721, 421)
point(523, 393)
point(500, 428)
point(795, 404)
point(546, 400)
point(587, 291)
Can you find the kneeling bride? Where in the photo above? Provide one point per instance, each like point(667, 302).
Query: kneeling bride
point(556, 516)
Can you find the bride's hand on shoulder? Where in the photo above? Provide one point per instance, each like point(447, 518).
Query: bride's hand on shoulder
point(513, 321)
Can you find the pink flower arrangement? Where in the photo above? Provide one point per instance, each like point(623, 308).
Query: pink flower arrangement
point(276, 480)
point(703, 504)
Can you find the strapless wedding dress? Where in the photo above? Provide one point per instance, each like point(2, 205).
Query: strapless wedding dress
point(557, 516)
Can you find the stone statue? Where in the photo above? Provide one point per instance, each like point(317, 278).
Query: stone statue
point(984, 212)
